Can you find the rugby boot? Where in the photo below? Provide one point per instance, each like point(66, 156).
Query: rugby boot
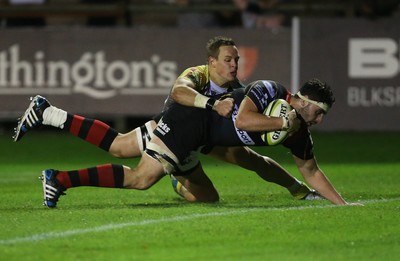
point(52, 190)
point(33, 116)
point(313, 195)
point(303, 192)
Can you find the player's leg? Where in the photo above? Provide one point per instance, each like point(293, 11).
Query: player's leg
point(265, 167)
point(133, 143)
point(100, 134)
point(56, 182)
point(191, 182)
point(195, 186)
point(96, 132)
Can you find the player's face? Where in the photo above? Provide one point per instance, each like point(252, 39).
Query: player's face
point(312, 114)
point(226, 65)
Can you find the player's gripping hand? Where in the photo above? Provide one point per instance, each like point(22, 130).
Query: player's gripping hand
point(291, 123)
point(224, 107)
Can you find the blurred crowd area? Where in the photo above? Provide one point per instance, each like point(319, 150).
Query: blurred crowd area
point(270, 14)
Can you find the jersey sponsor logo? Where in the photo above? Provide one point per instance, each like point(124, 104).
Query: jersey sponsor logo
point(162, 127)
point(243, 135)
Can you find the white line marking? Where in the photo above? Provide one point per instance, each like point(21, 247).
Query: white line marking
point(67, 233)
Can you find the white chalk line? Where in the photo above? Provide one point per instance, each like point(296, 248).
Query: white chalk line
point(67, 233)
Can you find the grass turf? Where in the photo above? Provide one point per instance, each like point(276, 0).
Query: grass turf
point(255, 220)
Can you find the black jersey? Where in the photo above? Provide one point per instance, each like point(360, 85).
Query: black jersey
point(184, 129)
point(223, 131)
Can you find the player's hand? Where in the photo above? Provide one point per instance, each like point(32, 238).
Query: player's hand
point(224, 107)
point(293, 122)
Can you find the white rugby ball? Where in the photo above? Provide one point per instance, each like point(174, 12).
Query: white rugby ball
point(277, 108)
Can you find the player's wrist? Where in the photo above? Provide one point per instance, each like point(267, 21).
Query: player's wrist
point(285, 123)
point(204, 102)
point(210, 104)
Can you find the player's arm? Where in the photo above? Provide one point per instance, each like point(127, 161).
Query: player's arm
point(184, 92)
point(317, 179)
point(249, 119)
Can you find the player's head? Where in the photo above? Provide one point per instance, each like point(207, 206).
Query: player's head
point(316, 98)
point(215, 43)
point(223, 59)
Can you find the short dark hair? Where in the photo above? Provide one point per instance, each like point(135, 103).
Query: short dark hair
point(318, 90)
point(214, 43)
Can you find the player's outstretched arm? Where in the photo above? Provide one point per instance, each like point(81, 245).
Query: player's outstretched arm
point(315, 177)
point(184, 92)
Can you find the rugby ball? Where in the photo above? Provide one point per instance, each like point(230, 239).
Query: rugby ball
point(277, 108)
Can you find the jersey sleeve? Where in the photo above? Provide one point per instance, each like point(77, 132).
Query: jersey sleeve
point(264, 91)
point(301, 144)
point(198, 75)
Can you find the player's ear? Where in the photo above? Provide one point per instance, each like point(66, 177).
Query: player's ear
point(303, 103)
point(211, 60)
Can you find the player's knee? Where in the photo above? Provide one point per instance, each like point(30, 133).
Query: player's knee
point(124, 147)
point(116, 153)
point(116, 148)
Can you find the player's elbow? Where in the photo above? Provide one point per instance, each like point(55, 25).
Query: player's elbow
point(241, 122)
point(174, 94)
point(177, 95)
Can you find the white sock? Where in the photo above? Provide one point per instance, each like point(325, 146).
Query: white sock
point(54, 116)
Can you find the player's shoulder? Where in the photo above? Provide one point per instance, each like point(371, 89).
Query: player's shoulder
point(199, 69)
point(197, 74)
point(267, 84)
point(273, 88)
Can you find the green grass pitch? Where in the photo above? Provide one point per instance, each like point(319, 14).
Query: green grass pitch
point(254, 220)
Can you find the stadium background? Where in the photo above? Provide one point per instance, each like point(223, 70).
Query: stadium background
point(118, 59)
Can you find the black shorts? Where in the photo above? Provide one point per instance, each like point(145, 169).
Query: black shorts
point(183, 129)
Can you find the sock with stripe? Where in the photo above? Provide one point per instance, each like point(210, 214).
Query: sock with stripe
point(93, 131)
point(108, 175)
